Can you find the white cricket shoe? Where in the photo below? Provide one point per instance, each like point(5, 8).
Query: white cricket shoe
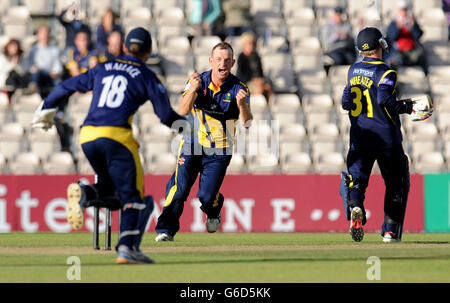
point(163, 237)
point(390, 237)
point(213, 224)
point(356, 227)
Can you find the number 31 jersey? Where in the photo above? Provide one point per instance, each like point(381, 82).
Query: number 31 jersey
point(119, 87)
point(370, 98)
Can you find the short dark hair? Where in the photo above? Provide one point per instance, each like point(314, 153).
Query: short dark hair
point(223, 45)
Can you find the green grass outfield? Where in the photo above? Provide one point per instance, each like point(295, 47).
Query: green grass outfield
point(225, 257)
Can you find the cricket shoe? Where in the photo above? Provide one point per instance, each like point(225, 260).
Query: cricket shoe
point(126, 255)
point(75, 198)
point(389, 237)
point(163, 237)
point(356, 227)
point(213, 224)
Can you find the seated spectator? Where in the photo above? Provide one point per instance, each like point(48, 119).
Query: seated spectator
point(403, 36)
point(204, 14)
point(70, 19)
point(113, 47)
point(18, 76)
point(337, 40)
point(106, 27)
point(249, 67)
point(44, 62)
point(237, 17)
point(80, 57)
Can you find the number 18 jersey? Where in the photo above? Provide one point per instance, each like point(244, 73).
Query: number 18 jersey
point(119, 87)
point(370, 98)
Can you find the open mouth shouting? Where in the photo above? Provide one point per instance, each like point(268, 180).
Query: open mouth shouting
point(223, 71)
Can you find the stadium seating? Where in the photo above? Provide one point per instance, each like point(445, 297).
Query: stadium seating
point(303, 116)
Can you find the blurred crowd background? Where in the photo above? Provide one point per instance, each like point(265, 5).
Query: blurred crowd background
point(293, 54)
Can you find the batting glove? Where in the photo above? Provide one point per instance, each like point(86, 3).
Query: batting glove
point(43, 118)
point(420, 112)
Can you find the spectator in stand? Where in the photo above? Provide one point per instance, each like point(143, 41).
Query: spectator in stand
point(403, 36)
point(17, 76)
point(44, 62)
point(337, 39)
point(446, 8)
point(113, 47)
point(107, 26)
point(70, 19)
point(80, 58)
point(237, 17)
point(203, 15)
point(249, 67)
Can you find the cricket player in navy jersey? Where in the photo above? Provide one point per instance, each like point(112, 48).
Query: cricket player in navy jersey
point(119, 87)
point(375, 135)
point(214, 102)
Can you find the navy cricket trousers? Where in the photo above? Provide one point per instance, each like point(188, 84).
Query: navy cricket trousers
point(394, 168)
point(212, 169)
point(113, 154)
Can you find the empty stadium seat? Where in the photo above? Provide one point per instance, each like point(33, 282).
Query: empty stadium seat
point(423, 146)
point(204, 44)
point(292, 132)
point(326, 146)
point(11, 139)
point(43, 143)
point(159, 5)
point(429, 162)
point(59, 163)
point(237, 165)
point(126, 5)
point(25, 163)
point(174, 45)
point(178, 64)
point(330, 163)
point(170, 16)
point(324, 131)
point(263, 164)
point(285, 103)
point(17, 22)
point(163, 163)
point(293, 147)
point(39, 7)
point(264, 5)
point(297, 163)
point(317, 102)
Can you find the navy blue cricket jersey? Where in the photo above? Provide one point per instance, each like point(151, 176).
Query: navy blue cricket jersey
point(119, 87)
point(213, 109)
point(371, 99)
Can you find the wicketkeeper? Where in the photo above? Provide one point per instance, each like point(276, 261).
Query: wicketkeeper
point(370, 97)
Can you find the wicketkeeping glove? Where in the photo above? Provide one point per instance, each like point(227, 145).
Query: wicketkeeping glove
point(43, 118)
point(421, 112)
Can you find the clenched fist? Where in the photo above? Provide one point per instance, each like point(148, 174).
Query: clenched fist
point(241, 98)
point(195, 82)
